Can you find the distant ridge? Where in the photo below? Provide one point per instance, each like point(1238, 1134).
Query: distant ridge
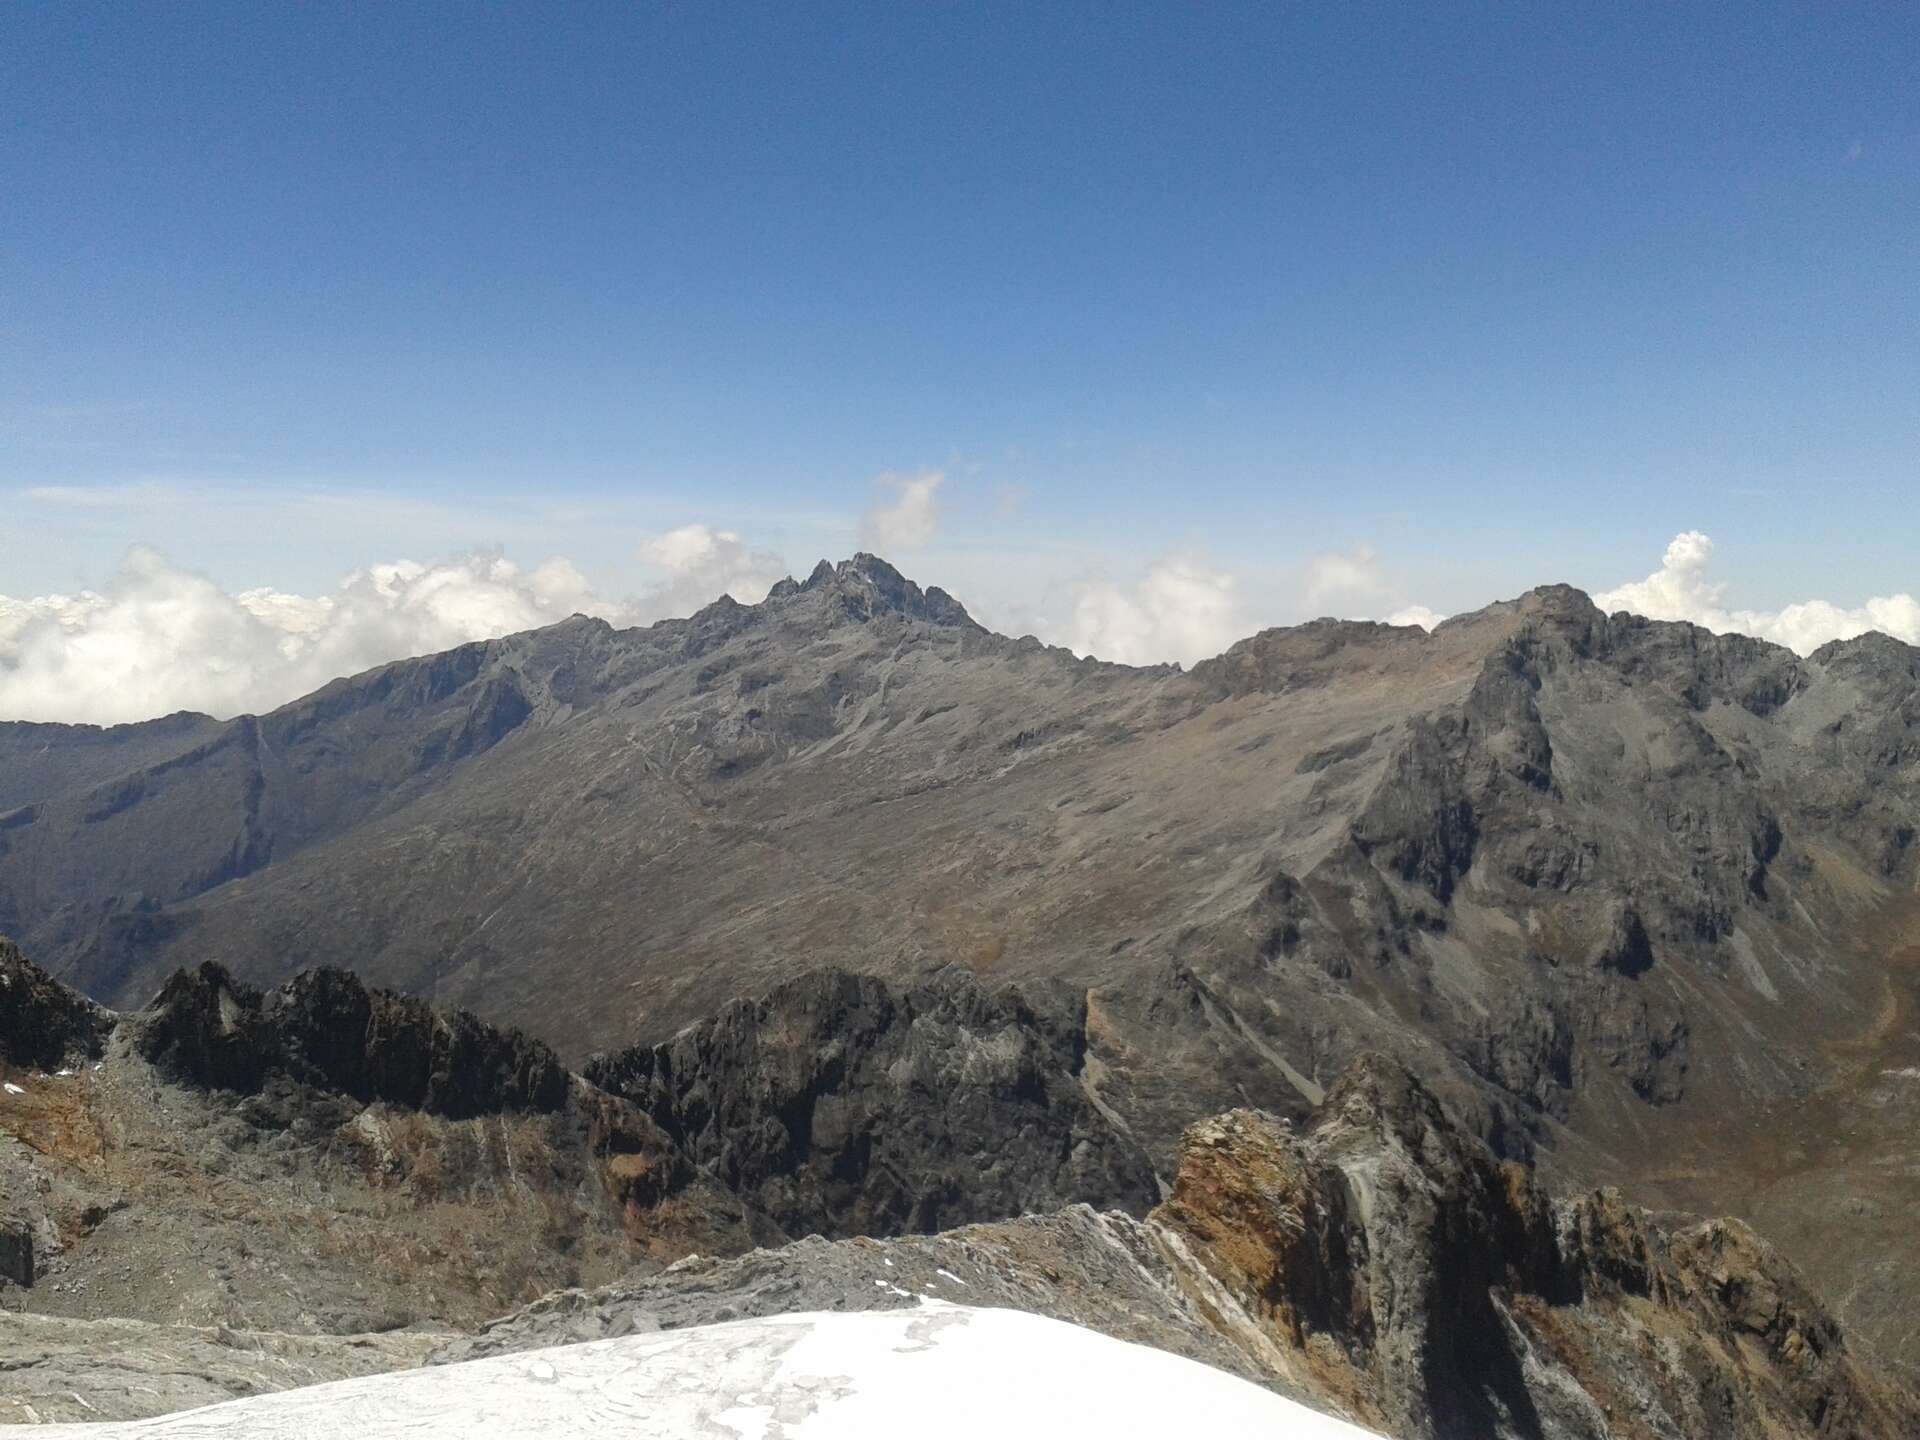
point(1629, 895)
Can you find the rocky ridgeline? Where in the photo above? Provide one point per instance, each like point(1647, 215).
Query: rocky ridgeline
point(1379, 1263)
point(1375, 1259)
point(839, 1105)
point(1432, 1290)
point(325, 1029)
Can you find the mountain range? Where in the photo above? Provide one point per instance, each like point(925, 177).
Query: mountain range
point(1638, 904)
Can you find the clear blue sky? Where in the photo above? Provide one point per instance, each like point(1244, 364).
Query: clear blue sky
point(1506, 293)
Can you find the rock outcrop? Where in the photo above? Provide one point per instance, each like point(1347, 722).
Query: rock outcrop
point(842, 1105)
point(1433, 1291)
point(43, 1024)
point(329, 1158)
point(326, 1029)
point(413, 1165)
point(16, 1252)
point(1377, 1262)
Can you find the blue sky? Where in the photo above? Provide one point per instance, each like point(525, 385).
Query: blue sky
point(1495, 295)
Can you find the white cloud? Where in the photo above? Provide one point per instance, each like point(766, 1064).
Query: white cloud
point(1182, 609)
point(1683, 589)
point(158, 638)
point(1421, 615)
point(701, 564)
point(1354, 585)
point(904, 514)
point(1344, 582)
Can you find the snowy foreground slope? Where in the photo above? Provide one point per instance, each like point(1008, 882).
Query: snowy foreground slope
point(934, 1372)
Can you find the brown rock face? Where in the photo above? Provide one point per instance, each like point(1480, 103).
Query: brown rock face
point(1434, 1291)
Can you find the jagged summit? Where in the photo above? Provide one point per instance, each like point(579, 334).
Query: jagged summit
point(867, 585)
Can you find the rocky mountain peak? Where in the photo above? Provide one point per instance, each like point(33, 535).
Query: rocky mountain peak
point(865, 586)
point(1558, 600)
point(1874, 655)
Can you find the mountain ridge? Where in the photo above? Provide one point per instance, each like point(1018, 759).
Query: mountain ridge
point(236, 1179)
point(1604, 882)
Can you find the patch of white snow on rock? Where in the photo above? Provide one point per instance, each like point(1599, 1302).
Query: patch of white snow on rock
point(936, 1372)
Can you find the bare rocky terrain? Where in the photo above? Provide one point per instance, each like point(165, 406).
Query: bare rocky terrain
point(232, 1192)
point(1379, 1263)
point(1639, 904)
point(327, 1158)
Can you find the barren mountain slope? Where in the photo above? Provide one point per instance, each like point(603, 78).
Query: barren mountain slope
point(325, 1157)
point(1626, 888)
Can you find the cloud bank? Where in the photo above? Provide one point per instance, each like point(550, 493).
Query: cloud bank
point(1182, 609)
point(159, 638)
point(1422, 615)
point(904, 514)
point(1683, 589)
point(1345, 583)
point(699, 564)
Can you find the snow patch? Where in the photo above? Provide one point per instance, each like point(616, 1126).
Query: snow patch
point(941, 1372)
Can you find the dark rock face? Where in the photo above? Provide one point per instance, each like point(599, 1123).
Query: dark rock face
point(1421, 825)
point(1437, 1292)
point(16, 1252)
point(326, 1029)
point(43, 1024)
point(842, 1105)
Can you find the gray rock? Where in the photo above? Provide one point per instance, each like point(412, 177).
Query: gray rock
point(839, 1104)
